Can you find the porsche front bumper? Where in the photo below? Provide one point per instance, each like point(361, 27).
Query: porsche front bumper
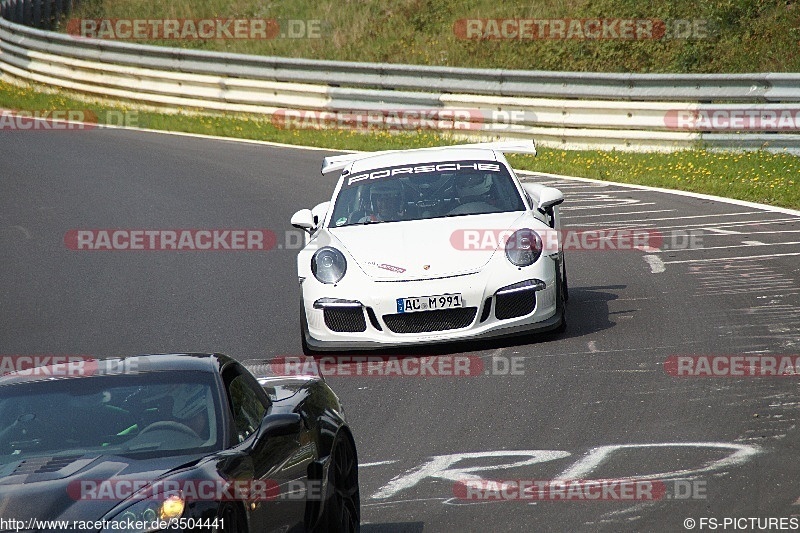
point(366, 316)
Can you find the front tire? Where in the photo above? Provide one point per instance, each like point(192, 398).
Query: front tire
point(342, 507)
point(232, 518)
point(561, 287)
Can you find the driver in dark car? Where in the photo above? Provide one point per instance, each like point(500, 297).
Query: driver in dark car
point(190, 408)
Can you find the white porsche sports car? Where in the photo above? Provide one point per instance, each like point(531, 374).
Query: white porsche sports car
point(427, 246)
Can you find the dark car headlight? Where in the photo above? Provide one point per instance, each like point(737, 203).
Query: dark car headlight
point(328, 265)
point(147, 512)
point(524, 247)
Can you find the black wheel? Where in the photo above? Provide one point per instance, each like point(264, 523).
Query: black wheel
point(561, 287)
point(342, 508)
point(231, 519)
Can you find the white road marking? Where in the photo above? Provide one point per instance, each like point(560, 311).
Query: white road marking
point(443, 467)
point(762, 282)
point(566, 184)
point(742, 272)
point(620, 214)
point(608, 206)
point(592, 346)
point(754, 257)
point(774, 232)
point(656, 264)
point(384, 504)
point(745, 244)
point(718, 199)
point(703, 226)
point(215, 137)
point(377, 463)
point(25, 232)
point(604, 193)
point(596, 456)
point(695, 216)
point(750, 291)
point(722, 231)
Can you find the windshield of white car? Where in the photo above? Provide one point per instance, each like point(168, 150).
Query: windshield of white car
point(159, 413)
point(425, 191)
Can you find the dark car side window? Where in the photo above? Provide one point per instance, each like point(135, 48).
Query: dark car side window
point(248, 410)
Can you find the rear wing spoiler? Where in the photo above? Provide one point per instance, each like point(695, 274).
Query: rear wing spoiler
point(338, 162)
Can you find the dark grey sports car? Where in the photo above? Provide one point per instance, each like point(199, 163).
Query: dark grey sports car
point(174, 442)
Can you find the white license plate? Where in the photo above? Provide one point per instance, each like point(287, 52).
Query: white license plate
point(429, 303)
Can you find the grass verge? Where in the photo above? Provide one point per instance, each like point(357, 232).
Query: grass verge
point(725, 36)
point(757, 176)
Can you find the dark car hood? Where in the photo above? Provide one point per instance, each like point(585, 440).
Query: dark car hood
point(49, 488)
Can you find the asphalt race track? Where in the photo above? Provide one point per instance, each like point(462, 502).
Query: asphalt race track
point(593, 403)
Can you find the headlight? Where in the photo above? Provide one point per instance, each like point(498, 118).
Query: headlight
point(524, 247)
point(328, 265)
point(148, 513)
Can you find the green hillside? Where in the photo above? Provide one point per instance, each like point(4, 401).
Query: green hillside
point(685, 35)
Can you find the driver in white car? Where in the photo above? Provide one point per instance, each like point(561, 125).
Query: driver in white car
point(385, 203)
point(475, 194)
point(474, 188)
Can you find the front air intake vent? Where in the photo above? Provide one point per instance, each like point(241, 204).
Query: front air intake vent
point(44, 465)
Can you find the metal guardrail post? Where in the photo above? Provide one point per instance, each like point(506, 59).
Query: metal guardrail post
point(47, 14)
point(19, 12)
point(36, 13)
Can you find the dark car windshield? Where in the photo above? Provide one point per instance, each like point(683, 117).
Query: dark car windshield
point(157, 413)
point(431, 190)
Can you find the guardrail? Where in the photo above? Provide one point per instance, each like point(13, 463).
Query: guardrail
point(570, 110)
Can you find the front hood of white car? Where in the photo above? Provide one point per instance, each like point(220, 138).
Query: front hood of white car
point(425, 249)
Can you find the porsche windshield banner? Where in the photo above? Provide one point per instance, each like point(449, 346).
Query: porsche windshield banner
point(428, 168)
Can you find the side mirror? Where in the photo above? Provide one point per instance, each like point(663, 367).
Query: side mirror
point(304, 220)
point(549, 198)
point(319, 211)
point(280, 425)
